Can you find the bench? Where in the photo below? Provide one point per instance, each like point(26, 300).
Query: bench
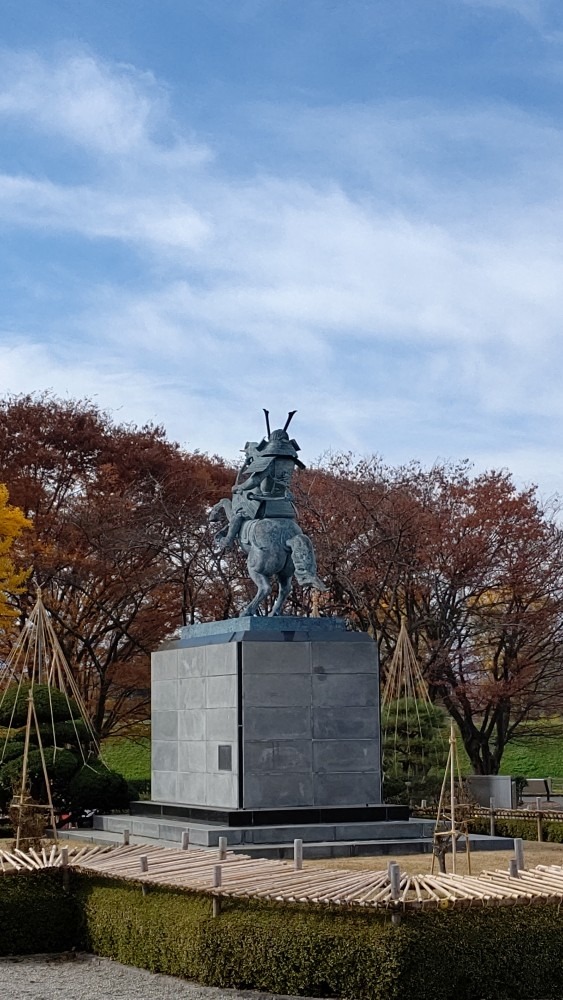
point(537, 788)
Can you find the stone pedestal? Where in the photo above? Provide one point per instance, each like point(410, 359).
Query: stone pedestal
point(261, 714)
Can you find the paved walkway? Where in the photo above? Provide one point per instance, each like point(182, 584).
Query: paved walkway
point(49, 977)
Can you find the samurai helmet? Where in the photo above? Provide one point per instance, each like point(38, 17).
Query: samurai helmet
point(278, 443)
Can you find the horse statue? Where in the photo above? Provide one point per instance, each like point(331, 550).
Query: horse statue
point(262, 517)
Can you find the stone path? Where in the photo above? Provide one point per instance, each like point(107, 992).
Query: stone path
point(50, 977)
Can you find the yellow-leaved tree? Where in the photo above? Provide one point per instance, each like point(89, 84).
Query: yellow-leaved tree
point(12, 580)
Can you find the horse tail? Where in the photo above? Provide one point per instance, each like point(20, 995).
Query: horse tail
point(304, 561)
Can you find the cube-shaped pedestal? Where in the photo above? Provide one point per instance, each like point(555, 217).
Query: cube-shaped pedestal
point(262, 713)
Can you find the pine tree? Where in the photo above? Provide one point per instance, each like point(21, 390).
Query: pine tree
point(415, 748)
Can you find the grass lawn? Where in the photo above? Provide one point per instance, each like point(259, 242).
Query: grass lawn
point(130, 757)
point(540, 756)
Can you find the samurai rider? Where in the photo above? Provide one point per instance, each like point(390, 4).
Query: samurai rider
point(262, 487)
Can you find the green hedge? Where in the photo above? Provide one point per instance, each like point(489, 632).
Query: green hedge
point(527, 829)
point(505, 953)
point(493, 953)
point(36, 914)
point(252, 945)
point(498, 953)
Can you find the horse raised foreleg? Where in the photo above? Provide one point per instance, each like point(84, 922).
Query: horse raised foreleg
point(264, 588)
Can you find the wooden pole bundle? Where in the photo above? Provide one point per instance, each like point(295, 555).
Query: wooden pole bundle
point(456, 829)
point(244, 877)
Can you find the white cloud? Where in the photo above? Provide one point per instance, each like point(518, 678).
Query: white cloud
point(113, 111)
point(543, 16)
point(98, 213)
point(413, 312)
point(531, 10)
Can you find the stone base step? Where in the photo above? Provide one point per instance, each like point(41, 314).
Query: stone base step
point(319, 849)
point(207, 835)
point(281, 851)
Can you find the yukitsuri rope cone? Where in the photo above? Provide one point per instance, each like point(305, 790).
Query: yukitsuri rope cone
point(37, 659)
point(413, 737)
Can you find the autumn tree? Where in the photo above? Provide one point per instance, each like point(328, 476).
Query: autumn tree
point(12, 580)
point(475, 565)
point(121, 547)
point(489, 610)
point(108, 503)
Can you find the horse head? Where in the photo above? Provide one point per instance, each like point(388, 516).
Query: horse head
point(220, 510)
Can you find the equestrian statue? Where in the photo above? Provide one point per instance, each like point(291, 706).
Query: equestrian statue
point(262, 518)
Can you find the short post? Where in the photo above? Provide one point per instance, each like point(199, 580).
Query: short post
point(513, 868)
point(298, 855)
point(64, 866)
point(185, 840)
point(539, 819)
point(216, 882)
point(423, 804)
point(222, 848)
point(144, 865)
point(394, 873)
point(492, 816)
point(519, 853)
point(126, 836)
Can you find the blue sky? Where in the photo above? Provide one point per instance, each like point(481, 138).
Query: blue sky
point(352, 208)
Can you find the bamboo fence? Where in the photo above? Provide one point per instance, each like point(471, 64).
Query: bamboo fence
point(242, 877)
point(483, 812)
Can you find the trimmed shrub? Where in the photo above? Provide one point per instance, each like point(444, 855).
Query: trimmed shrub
point(493, 953)
point(415, 748)
point(61, 765)
point(94, 787)
point(37, 915)
point(482, 953)
point(47, 705)
point(252, 945)
point(139, 788)
point(527, 829)
point(65, 740)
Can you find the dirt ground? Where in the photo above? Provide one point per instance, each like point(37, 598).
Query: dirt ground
point(51, 977)
point(420, 864)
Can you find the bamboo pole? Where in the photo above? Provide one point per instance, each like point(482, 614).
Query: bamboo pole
point(452, 793)
point(440, 808)
point(45, 775)
point(24, 764)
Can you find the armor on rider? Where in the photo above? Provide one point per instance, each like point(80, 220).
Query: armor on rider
point(263, 484)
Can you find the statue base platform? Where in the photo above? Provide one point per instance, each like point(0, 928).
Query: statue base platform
point(262, 713)
point(254, 818)
point(373, 830)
